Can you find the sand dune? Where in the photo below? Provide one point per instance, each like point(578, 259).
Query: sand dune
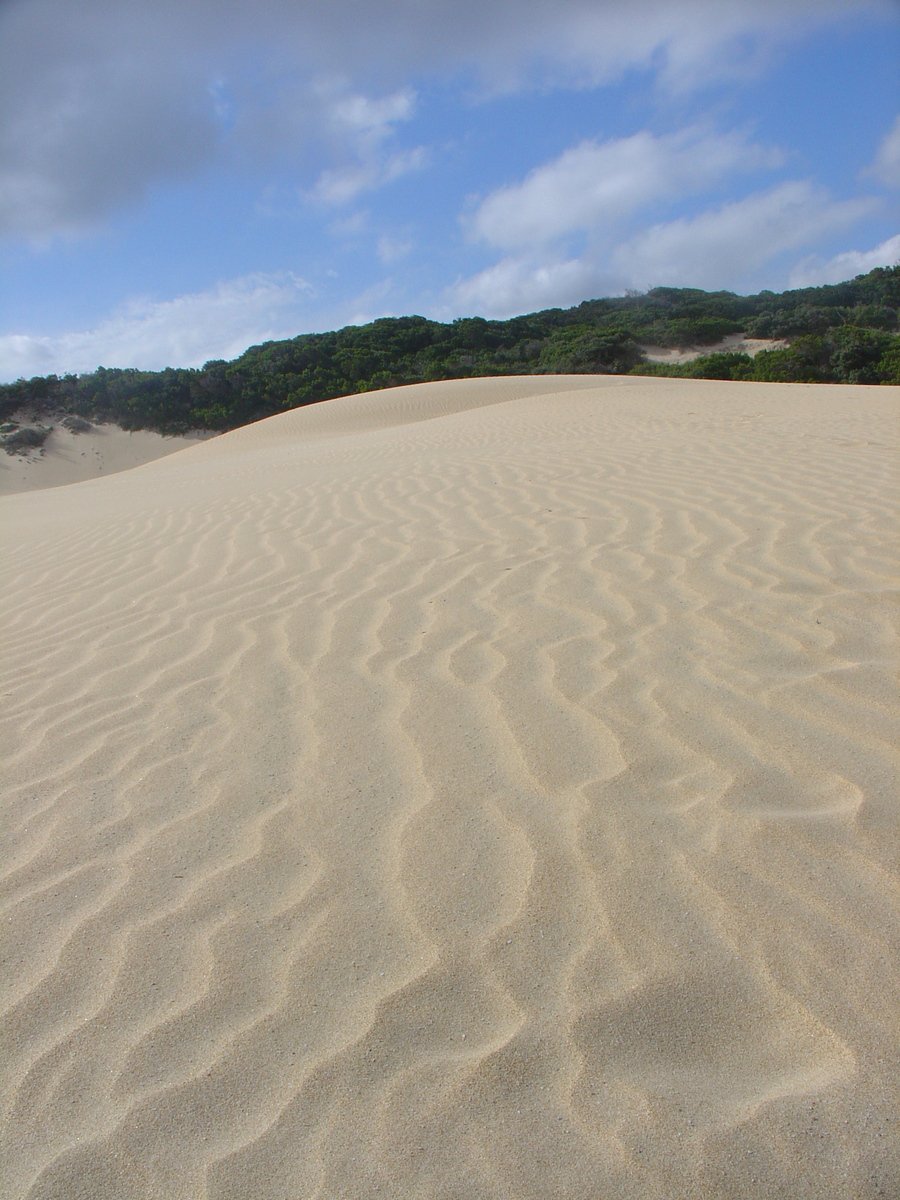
point(734, 343)
point(481, 789)
point(69, 457)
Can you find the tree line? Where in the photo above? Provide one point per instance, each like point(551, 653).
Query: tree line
point(841, 333)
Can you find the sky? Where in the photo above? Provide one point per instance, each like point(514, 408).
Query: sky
point(182, 179)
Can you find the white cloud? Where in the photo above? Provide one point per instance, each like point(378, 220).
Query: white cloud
point(516, 285)
point(595, 184)
point(812, 271)
point(186, 331)
point(727, 247)
point(358, 130)
point(341, 185)
point(393, 249)
point(372, 118)
point(886, 167)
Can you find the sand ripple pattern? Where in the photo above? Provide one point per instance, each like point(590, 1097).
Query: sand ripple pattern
point(483, 789)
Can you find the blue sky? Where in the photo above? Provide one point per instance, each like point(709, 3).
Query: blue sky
point(184, 178)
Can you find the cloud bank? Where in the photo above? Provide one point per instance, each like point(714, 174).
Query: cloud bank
point(220, 322)
point(105, 99)
point(601, 194)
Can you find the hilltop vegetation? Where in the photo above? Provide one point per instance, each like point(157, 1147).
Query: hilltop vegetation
point(844, 333)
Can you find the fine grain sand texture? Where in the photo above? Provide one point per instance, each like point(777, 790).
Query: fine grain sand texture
point(480, 789)
point(68, 457)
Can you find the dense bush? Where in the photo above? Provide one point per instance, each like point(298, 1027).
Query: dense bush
point(845, 355)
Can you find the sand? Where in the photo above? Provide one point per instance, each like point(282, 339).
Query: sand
point(68, 457)
point(734, 343)
point(480, 789)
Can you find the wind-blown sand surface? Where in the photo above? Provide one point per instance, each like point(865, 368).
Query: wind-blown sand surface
point(480, 789)
point(69, 457)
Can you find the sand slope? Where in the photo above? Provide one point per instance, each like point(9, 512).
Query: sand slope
point(68, 457)
point(482, 789)
point(734, 343)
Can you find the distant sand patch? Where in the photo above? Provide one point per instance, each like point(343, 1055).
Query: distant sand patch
point(735, 343)
point(76, 450)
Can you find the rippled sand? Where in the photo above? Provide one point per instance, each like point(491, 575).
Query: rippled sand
point(480, 789)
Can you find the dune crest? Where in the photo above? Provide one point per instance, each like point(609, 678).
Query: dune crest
point(481, 788)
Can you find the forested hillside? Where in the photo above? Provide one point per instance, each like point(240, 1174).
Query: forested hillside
point(845, 333)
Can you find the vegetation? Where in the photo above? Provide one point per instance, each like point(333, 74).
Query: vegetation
point(15, 440)
point(849, 354)
point(845, 333)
